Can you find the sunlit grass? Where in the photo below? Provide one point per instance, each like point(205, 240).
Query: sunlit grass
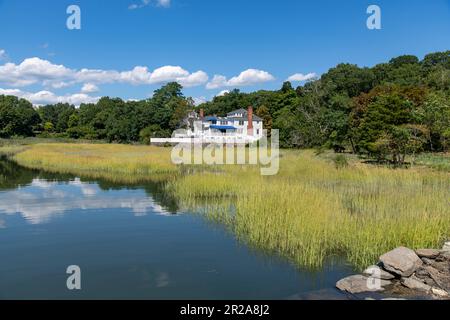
point(116, 162)
point(10, 150)
point(436, 161)
point(312, 210)
point(308, 212)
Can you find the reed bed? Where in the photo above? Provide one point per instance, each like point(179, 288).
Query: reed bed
point(10, 150)
point(119, 163)
point(307, 213)
point(311, 210)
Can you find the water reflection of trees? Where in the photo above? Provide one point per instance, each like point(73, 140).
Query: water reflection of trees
point(13, 176)
point(156, 190)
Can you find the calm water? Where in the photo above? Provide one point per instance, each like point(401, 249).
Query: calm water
point(131, 242)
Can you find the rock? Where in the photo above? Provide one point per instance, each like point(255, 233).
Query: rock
point(427, 261)
point(440, 293)
point(401, 261)
point(441, 279)
point(415, 284)
point(359, 284)
point(423, 275)
point(378, 273)
point(422, 272)
point(444, 256)
point(428, 253)
point(443, 267)
point(446, 247)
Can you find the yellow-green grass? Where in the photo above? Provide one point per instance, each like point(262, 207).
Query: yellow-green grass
point(115, 162)
point(309, 211)
point(10, 150)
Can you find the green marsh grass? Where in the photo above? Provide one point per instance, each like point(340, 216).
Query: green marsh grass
point(120, 163)
point(309, 212)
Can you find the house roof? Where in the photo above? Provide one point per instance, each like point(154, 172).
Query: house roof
point(255, 118)
point(243, 111)
point(244, 115)
point(230, 117)
point(208, 119)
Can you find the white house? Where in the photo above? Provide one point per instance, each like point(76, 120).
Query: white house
point(239, 126)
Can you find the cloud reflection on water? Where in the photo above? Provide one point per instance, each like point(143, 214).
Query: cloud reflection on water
point(43, 200)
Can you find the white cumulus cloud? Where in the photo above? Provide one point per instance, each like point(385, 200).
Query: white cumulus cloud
point(89, 88)
point(199, 100)
point(168, 73)
point(222, 93)
point(32, 70)
point(299, 77)
point(246, 78)
point(194, 79)
point(47, 97)
point(38, 71)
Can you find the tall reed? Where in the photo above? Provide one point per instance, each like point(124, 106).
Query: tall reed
point(310, 211)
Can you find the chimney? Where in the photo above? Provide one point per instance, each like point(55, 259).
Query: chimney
point(202, 114)
point(250, 121)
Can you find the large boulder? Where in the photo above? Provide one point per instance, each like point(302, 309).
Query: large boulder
point(359, 284)
point(401, 261)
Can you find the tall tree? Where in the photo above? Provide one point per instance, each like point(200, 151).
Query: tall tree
point(17, 117)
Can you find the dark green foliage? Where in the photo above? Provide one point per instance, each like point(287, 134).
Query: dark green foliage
point(153, 131)
point(58, 115)
point(404, 60)
point(388, 111)
point(264, 114)
point(17, 117)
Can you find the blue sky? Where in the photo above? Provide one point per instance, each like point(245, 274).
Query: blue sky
point(128, 48)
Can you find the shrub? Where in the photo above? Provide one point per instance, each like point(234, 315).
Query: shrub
point(340, 161)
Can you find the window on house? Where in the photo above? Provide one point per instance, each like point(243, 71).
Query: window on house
point(241, 123)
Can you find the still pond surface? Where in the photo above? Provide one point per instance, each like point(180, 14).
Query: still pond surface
point(131, 242)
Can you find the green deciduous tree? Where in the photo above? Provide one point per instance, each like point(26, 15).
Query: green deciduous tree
point(17, 117)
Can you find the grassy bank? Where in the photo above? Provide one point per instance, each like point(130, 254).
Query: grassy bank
point(308, 212)
point(115, 162)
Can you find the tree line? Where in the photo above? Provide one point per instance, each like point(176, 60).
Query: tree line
point(388, 111)
point(110, 119)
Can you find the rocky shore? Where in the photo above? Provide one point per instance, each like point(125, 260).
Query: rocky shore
point(405, 273)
